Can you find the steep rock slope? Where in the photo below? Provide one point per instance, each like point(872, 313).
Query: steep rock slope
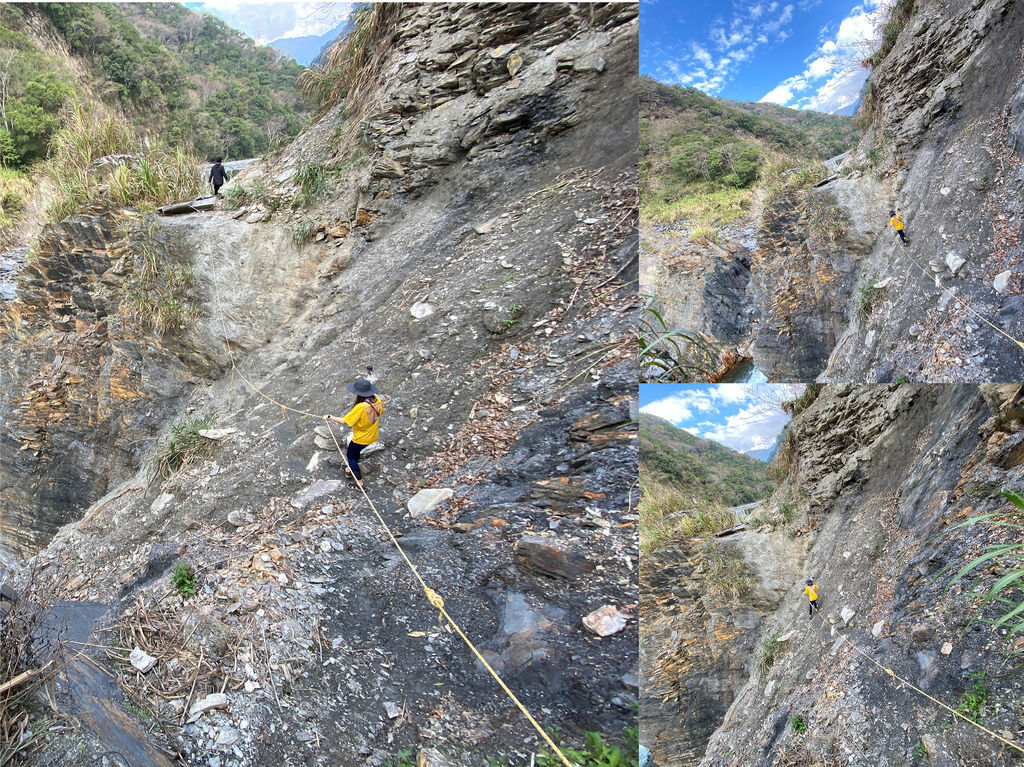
point(875, 475)
point(945, 147)
point(474, 243)
point(693, 148)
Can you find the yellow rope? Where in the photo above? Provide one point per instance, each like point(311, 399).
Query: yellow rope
point(962, 302)
point(953, 711)
point(432, 596)
point(438, 603)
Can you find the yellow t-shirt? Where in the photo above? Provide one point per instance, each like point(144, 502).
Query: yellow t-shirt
point(811, 592)
point(897, 222)
point(364, 419)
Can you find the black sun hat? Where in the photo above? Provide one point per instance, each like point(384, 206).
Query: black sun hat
point(362, 388)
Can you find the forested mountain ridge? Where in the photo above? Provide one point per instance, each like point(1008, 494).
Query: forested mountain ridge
point(694, 143)
point(185, 77)
point(706, 470)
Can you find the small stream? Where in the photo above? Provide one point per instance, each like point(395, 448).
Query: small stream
point(745, 372)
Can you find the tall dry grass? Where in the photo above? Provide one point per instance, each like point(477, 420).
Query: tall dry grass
point(659, 500)
point(29, 653)
point(354, 68)
point(353, 64)
point(143, 177)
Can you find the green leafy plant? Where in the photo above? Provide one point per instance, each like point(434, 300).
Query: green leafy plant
point(1005, 591)
point(920, 751)
point(312, 182)
point(515, 313)
point(786, 511)
point(184, 445)
point(798, 724)
point(183, 579)
point(595, 752)
point(668, 356)
point(972, 702)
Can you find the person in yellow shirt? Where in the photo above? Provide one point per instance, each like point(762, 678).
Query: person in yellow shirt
point(364, 418)
point(896, 220)
point(811, 590)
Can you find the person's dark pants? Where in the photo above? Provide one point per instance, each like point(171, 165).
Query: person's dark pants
point(810, 608)
point(902, 238)
point(352, 456)
point(216, 187)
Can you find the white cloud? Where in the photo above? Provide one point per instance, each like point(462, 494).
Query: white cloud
point(700, 53)
point(855, 30)
point(265, 22)
point(784, 91)
point(755, 427)
point(839, 92)
point(712, 62)
point(784, 18)
point(730, 394)
point(673, 409)
point(820, 67)
point(833, 69)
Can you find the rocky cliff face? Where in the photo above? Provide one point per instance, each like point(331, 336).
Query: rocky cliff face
point(822, 289)
point(945, 148)
point(475, 243)
point(876, 475)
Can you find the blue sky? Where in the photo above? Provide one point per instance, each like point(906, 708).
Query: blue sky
point(798, 53)
point(744, 417)
point(265, 22)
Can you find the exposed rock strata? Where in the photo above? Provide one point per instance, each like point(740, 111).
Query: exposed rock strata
point(876, 474)
point(494, 293)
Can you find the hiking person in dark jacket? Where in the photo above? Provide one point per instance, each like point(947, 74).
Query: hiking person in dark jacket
point(218, 175)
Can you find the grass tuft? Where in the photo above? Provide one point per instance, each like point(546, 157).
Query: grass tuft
point(705, 235)
point(771, 649)
point(184, 445)
point(312, 182)
point(141, 178)
point(868, 297)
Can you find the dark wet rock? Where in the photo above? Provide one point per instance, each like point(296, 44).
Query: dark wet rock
point(547, 556)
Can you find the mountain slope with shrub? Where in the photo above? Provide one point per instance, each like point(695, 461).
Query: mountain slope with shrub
point(185, 77)
point(701, 469)
point(695, 144)
point(707, 166)
point(821, 287)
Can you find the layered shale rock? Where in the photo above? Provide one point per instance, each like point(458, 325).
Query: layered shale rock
point(875, 477)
